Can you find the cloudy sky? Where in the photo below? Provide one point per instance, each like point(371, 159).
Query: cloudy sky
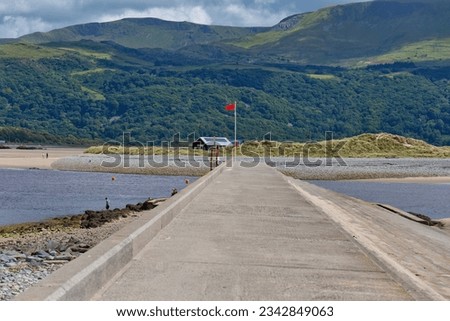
point(19, 17)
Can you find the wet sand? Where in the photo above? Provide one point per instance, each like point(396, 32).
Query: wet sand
point(17, 158)
point(74, 159)
point(371, 170)
point(413, 180)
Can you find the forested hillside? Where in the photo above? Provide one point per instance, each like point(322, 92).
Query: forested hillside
point(349, 69)
point(94, 97)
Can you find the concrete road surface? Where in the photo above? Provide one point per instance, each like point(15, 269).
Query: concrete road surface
point(250, 235)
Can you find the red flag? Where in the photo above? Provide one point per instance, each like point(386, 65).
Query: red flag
point(230, 107)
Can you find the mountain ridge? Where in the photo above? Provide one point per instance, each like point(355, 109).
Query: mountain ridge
point(333, 35)
point(142, 33)
point(311, 73)
point(354, 31)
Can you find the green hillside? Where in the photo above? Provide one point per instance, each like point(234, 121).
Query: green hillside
point(101, 94)
point(352, 34)
point(17, 135)
point(365, 67)
point(348, 33)
point(143, 33)
point(436, 50)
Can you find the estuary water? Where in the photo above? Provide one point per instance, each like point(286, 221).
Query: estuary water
point(432, 200)
point(35, 195)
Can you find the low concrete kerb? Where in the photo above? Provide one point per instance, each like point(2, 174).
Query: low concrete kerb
point(419, 289)
point(80, 279)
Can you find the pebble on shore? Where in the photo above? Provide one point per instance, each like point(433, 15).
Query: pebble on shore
point(26, 258)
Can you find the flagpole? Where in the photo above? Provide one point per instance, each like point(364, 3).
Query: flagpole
point(235, 133)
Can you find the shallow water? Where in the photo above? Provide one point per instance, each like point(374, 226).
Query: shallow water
point(34, 195)
point(432, 200)
point(357, 168)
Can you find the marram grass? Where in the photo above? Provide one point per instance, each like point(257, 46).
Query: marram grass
point(362, 146)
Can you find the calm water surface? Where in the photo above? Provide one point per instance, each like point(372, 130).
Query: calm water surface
point(34, 195)
point(432, 200)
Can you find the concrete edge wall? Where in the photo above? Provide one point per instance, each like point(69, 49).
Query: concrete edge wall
point(81, 278)
point(419, 289)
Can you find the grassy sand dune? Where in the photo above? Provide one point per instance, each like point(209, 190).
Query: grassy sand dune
point(362, 146)
point(388, 145)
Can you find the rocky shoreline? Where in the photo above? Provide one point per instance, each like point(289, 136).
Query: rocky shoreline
point(301, 168)
point(30, 252)
point(364, 168)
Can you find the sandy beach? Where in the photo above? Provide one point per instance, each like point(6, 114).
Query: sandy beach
point(17, 158)
point(419, 171)
point(74, 159)
point(412, 180)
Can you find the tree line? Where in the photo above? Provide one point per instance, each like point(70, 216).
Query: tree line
point(87, 99)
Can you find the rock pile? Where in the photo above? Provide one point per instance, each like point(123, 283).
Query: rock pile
point(93, 219)
point(24, 262)
point(31, 256)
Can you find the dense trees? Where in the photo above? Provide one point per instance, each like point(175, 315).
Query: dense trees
point(72, 96)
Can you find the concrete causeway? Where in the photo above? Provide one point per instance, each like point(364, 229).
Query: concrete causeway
point(253, 234)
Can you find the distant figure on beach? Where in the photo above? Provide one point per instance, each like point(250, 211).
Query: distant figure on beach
point(186, 181)
point(46, 155)
point(107, 203)
point(174, 191)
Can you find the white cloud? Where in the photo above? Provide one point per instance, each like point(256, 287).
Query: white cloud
point(244, 16)
point(194, 14)
point(20, 6)
point(23, 7)
point(264, 1)
point(15, 26)
point(19, 17)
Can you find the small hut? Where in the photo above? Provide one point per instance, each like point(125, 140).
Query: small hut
point(207, 143)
